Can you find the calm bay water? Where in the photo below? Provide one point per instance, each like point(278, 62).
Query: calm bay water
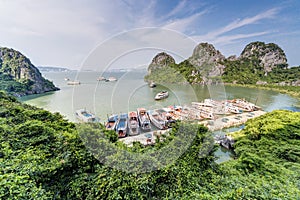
point(131, 92)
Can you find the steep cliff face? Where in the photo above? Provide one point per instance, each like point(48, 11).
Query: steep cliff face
point(258, 63)
point(19, 76)
point(159, 61)
point(269, 55)
point(207, 60)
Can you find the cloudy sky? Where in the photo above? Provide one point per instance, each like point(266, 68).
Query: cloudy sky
point(63, 33)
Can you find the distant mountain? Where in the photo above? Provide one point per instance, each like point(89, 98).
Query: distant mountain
point(258, 63)
point(19, 77)
point(53, 69)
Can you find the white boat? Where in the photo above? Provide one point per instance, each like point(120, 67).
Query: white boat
point(161, 95)
point(152, 85)
point(133, 123)
point(121, 127)
point(231, 108)
point(167, 117)
point(101, 78)
point(111, 79)
point(144, 119)
point(157, 120)
point(73, 82)
point(66, 79)
point(86, 116)
point(111, 122)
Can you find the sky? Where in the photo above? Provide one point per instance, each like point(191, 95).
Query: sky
point(65, 33)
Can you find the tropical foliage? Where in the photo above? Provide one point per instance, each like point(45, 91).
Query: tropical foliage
point(43, 156)
point(183, 72)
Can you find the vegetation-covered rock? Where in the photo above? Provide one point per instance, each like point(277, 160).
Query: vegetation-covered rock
point(258, 63)
point(269, 55)
point(18, 76)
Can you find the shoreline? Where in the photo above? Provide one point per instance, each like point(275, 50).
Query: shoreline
point(275, 88)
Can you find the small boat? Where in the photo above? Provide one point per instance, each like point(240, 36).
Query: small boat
point(66, 79)
point(121, 127)
point(157, 120)
point(111, 122)
point(206, 114)
point(161, 95)
point(144, 120)
point(167, 117)
point(133, 123)
point(152, 85)
point(101, 78)
point(111, 79)
point(73, 83)
point(232, 109)
point(86, 116)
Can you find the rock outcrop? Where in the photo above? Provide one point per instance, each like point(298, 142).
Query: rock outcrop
point(159, 61)
point(258, 63)
point(207, 60)
point(23, 77)
point(269, 55)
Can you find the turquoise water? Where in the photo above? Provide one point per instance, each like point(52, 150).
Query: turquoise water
point(131, 92)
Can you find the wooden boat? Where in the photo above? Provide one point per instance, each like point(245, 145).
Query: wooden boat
point(157, 120)
point(161, 95)
point(86, 116)
point(133, 123)
point(111, 122)
point(206, 114)
point(231, 108)
point(122, 125)
point(144, 120)
point(167, 117)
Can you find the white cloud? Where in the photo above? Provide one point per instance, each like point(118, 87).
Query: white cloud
point(240, 23)
point(184, 24)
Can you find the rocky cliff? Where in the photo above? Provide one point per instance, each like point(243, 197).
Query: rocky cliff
point(159, 61)
point(269, 55)
point(207, 60)
point(19, 76)
point(258, 63)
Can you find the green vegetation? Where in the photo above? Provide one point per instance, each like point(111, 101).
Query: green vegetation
point(249, 71)
point(290, 90)
point(19, 77)
point(43, 156)
point(10, 85)
point(183, 72)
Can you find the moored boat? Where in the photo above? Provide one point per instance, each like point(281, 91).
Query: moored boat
point(86, 116)
point(144, 119)
point(133, 123)
point(121, 127)
point(157, 120)
point(161, 95)
point(111, 122)
point(167, 117)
